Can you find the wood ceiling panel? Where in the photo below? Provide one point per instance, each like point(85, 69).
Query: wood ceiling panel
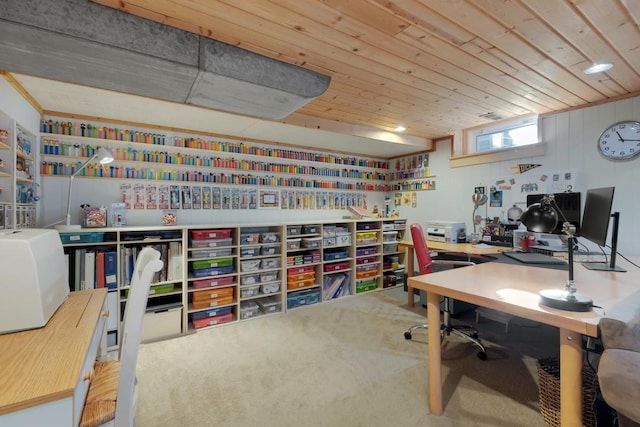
point(434, 65)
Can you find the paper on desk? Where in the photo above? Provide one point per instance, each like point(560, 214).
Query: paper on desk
point(482, 246)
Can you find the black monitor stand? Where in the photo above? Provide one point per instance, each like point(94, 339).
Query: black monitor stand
point(611, 266)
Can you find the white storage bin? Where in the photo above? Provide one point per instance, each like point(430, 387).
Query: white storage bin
point(250, 265)
point(161, 322)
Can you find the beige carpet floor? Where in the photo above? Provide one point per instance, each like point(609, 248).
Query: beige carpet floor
point(342, 363)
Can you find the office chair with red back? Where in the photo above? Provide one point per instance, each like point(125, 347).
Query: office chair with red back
point(425, 265)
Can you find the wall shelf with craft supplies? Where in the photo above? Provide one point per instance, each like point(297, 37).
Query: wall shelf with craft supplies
point(193, 159)
point(411, 173)
point(227, 273)
point(18, 175)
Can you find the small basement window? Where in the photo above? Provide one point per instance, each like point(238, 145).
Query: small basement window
point(497, 139)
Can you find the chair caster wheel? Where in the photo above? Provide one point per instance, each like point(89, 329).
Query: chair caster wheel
point(482, 355)
point(407, 335)
point(474, 335)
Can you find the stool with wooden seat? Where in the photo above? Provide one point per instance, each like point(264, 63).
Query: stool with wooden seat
point(111, 399)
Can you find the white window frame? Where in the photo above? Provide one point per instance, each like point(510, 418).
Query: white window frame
point(464, 151)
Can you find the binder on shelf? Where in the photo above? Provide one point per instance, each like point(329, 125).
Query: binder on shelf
point(111, 270)
point(89, 270)
point(100, 277)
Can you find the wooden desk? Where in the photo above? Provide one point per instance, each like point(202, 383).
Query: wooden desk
point(513, 289)
point(45, 372)
point(455, 248)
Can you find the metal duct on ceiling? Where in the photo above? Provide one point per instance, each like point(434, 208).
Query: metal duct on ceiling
point(84, 43)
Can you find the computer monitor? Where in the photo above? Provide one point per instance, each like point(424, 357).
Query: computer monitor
point(569, 204)
point(595, 224)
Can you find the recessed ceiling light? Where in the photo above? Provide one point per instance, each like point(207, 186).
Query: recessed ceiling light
point(400, 128)
point(598, 68)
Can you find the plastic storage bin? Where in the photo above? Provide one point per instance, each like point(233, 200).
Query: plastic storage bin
point(390, 236)
point(248, 309)
point(250, 279)
point(338, 266)
point(270, 237)
point(343, 239)
point(335, 255)
point(212, 253)
point(212, 321)
point(297, 284)
point(214, 312)
point(268, 276)
point(366, 251)
point(249, 251)
point(269, 305)
point(213, 282)
point(249, 238)
point(365, 285)
point(208, 263)
point(311, 242)
point(94, 237)
point(297, 299)
point(366, 237)
point(390, 248)
point(210, 234)
point(270, 288)
point(213, 271)
point(250, 265)
point(293, 244)
point(249, 291)
point(270, 263)
point(300, 269)
point(210, 243)
point(310, 229)
point(270, 250)
point(293, 230)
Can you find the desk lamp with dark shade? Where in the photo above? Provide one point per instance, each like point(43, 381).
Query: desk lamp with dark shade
point(542, 217)
point(104, 157)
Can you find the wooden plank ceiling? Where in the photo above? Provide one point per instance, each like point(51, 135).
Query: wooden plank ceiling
point(434, 66)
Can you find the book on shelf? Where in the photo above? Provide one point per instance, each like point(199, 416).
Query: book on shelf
point(89, 270)
point(361, 213)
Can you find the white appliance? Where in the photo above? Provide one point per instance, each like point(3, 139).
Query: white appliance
point(444, 231)
point(34, 280)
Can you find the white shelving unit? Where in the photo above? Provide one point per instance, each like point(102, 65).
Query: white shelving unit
point(18, 174)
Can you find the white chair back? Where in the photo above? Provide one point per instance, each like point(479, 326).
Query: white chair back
point(147, 263)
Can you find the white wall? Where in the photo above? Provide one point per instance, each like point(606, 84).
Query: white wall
point(570, 144)
point(570, 139)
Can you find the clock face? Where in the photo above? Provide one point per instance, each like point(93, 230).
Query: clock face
point(620, 141)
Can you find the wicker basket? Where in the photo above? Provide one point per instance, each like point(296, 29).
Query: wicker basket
point(549, 392)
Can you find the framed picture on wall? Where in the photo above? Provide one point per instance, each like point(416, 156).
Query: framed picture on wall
point(269, 199)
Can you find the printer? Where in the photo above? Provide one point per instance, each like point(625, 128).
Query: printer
point(444, 231)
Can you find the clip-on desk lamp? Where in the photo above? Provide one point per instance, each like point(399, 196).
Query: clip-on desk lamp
point(104, 157)
point(543, 217)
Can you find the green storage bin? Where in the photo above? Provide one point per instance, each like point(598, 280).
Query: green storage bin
point(209, 263)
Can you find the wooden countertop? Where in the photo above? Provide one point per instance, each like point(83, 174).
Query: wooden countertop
point(42, 365)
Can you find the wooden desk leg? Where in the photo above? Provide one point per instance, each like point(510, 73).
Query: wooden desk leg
point(570, 378)
point(435, 362)
point(409, 264)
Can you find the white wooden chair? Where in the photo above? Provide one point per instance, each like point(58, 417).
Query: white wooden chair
point(111, 399)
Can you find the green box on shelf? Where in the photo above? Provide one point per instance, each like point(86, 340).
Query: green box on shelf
point(79, 237)
point(208, 263)
point(366, 286)
point(160, 289)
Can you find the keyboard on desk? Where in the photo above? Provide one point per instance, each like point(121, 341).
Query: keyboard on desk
point(533, 258)
point(498, 243)
point(589, 257)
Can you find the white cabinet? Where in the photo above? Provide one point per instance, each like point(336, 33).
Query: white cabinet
point(18, 175)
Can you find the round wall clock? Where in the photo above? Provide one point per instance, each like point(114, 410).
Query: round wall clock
point(620, 141)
